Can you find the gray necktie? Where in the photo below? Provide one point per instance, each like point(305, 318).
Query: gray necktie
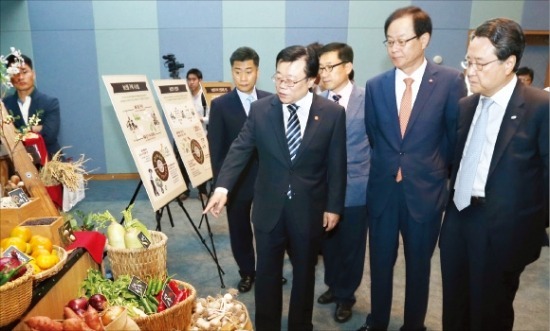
point(470, 160)
point(249, 100)
point(293, 136)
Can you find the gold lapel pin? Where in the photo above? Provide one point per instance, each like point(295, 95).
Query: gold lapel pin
point(316, 118)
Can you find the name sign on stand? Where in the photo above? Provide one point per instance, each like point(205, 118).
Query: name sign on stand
point(168, 296)
point(146, 136)
point(24, 258)
point(144, 240)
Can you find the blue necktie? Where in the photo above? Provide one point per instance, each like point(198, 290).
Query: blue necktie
point(470, 160)
point(247, 104)
point(293, 136)
point(336, 98)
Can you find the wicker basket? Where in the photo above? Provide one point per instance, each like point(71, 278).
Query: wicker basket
point(15, 297)
point(177, 317)
point(62, 254)
point(140, 262)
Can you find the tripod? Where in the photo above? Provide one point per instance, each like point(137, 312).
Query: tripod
point(158, 217)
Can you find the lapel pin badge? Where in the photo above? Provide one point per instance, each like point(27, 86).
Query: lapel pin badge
point(316, 118)
point(513, 117)
point(430, 80)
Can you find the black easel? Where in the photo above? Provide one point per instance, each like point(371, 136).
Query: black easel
point(158, 217)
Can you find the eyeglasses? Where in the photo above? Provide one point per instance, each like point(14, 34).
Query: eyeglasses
point(329, 67)
point(466, 64)
point(288, 82)
point(400, 42)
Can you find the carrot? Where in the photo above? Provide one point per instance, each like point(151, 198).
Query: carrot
point(69, 313)
point(92, 319)
point(43, 323)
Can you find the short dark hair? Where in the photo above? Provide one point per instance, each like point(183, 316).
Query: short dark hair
point(296, 52)
point(506, 36)
point(345, 52)
point(11, 60)
point(421, 20)
point(526, 71)
point(244, 54)
point(194, 71)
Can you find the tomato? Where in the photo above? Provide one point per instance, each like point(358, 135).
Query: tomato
point(39, 251)
point(21, 232)
point(46, 261)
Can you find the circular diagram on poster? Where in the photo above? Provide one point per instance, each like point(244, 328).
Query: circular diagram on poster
point(197, 152)
point(161, 168)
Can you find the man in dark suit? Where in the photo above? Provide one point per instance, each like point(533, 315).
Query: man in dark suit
point(28, 101)
point(344, 247)
point(495, 220)
point(301, 143)
point(411, 114)
point(227, 116)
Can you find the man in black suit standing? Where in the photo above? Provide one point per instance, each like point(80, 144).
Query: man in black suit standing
point(494, 222)
point(300, 189)
point(227, 116)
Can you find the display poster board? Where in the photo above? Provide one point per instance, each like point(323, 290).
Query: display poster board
point(184, 122)
point(146, 136)
point(212, 90)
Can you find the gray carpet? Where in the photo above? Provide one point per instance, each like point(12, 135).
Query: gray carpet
point(190, 261)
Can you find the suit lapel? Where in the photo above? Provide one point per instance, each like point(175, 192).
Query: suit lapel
point(353, 104)
point(313, 121)
point(391, 109)
point(275, 117)
point(510, 123)
point(425, 90)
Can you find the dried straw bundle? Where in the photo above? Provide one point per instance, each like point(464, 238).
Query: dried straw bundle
point(70, 174)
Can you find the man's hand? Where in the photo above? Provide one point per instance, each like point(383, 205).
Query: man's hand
point(215, 204)
point(330, 220)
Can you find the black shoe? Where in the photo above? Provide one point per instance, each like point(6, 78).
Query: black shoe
point(283, 281)
point(368, 325)
point(245, 284)
point(326, 297)
point(343, 312)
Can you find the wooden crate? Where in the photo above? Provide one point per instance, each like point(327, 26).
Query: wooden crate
point(11, 217)
point(50, 231)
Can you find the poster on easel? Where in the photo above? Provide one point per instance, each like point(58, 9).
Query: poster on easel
point(146, 137)
point(177, 103)
point(212, 90)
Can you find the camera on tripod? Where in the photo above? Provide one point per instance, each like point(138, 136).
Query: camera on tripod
point(172, 65)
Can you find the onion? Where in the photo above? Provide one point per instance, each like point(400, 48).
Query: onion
point(110, 314)
point(98, 301)
point(78, 305)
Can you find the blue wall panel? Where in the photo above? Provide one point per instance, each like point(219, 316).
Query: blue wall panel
point(74, 43)
point(536, 15)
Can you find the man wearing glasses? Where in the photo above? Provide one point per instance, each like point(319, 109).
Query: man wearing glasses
point(410, 114)
point(494, 222)
point(344, 247)
point(299, 193)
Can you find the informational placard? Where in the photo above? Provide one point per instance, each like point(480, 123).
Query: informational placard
point(146, 136)
point(177, 103)
point(212, 90)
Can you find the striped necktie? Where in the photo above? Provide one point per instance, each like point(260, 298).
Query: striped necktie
point(336, 97)
point(293, 136)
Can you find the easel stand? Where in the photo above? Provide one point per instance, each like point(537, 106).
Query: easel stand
point(158, 217)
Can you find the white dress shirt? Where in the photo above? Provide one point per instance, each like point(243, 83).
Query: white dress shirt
point(304, 105)
point(496, 114)
point(244, 99)
point(400, 85)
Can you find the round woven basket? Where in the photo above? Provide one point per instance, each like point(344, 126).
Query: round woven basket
point(140, 262)
point(177, 317)
point(62, 254)
point(15, 297)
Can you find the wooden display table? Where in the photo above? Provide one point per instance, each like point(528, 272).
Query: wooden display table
point(51, 295)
